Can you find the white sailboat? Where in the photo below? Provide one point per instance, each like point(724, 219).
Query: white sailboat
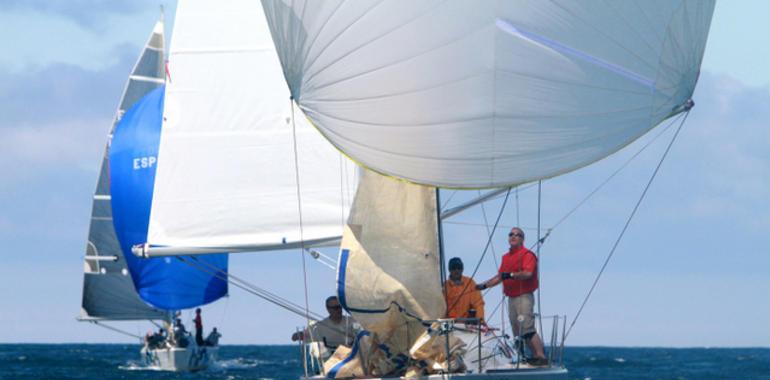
point(464, 94)
point(108, 290)
point(116, 287)
point(235, 170)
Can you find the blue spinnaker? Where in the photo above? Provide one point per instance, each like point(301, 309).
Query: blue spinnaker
point(167, 283)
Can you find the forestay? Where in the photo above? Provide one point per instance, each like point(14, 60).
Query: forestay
point(388, 276)
point(108, 291)
point(226, 175)
point(487, 93)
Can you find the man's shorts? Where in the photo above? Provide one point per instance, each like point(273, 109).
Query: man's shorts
point(521, 314)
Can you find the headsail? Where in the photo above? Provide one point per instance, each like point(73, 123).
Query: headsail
point(226, 174)
point(388, 276)
point(108, 291)
point(165, 283)
point(488, 93)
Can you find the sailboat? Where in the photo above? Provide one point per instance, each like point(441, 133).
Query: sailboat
point(124, 286)
point(235, 169)
point(451, 94)
point(460, 94)
point(108, 290)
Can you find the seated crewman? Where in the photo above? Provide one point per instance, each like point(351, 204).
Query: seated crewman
point(333, 331)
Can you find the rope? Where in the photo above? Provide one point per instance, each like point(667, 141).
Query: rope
point(537, 251)
point(486, 224)
point(446, 203)
point(486, 248)
point(494, 257)
point(518, 222)
point(628, 222)
point(108, 327)
point(625, 164)
point(299, 208)
point(253, 289)
point(499, 226)
point(248, 287)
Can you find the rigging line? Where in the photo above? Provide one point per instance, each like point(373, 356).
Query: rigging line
point(250, 288)
point(253, 289)
point(494, 257)
point(499, 226)
point(615, 173)
point(224, 312)
point(486, 248)
point(245, 285)
point(342, 193)
point(446, 203)
point(537, 252)
point(486, 224)
point(628, 222)
point(497, 307)
point(108, 327)
point(299, 208)
point(518, 221)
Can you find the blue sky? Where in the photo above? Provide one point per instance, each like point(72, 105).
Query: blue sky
point(692, 270)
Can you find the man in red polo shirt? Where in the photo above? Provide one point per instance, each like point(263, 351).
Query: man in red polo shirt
point(518, 273)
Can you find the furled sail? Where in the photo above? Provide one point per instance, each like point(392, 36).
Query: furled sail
point(226, 175)
point(108, 291)
point(388, 276)
point(166, 283)
point(487, 93)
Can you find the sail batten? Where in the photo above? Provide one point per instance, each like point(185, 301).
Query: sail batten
point(455, 93)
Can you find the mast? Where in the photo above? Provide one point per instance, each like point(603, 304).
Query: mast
point(441, 258)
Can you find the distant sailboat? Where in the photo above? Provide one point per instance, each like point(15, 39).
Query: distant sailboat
point(236, 171)
point(127, 288)
point(467, 94)
point(108, 290)
point(165, 283)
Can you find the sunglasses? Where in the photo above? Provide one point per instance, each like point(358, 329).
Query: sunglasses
point(512, 234)
point(335, 307)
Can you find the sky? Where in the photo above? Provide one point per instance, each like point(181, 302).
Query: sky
point(692, 270)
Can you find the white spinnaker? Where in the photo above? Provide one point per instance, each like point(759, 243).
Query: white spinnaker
point(488, 93)
point(226, 165)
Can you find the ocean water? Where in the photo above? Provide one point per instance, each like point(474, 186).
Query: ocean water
point(115, 361)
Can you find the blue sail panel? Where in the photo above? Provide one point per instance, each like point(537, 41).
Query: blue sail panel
point(168, 282)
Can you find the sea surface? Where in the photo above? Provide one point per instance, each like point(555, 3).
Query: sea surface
point(117, 361)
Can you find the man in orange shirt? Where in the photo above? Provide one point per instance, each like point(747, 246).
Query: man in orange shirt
point(518, 273)
point(462, 298)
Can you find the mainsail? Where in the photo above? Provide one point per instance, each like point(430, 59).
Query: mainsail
point(108, 291)
point(232, 153)
point(488, 93)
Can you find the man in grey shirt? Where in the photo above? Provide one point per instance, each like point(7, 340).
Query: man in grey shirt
point(333, 331)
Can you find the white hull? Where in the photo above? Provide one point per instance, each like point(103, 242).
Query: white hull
point(180, 359)
point(551, 373)
point(495, 363)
